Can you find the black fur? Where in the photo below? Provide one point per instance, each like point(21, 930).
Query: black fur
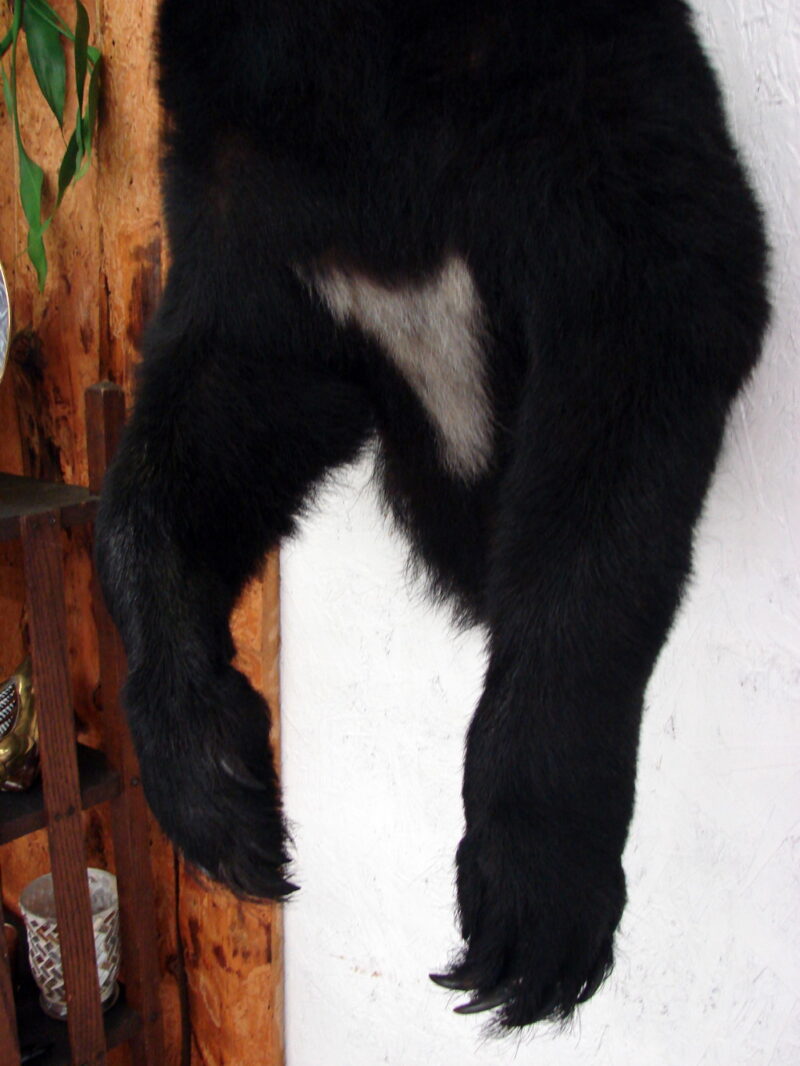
point(575, 155)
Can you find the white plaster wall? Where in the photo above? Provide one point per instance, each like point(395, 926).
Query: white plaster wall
point(378, 692)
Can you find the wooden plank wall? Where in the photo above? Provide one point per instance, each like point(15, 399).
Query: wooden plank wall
point(221, 988)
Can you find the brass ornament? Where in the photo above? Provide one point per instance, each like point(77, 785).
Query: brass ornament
point(19, 732)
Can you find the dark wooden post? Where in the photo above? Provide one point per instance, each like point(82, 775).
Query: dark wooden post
point(105, 416)
point(9, 1048)
point(44, 580)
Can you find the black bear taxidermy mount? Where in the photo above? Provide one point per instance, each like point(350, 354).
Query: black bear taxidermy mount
point(512, 242)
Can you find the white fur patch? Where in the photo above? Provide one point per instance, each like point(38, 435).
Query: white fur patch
point(433, 333)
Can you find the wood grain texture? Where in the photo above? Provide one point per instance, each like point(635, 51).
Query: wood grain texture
point(105, 416)
point(51, 373)
point(53, 358)
point(107, 265)
point(9, 1048)
point(44, 579)
point(24, 812)
point(129, 200)
point(22, 495)
point(230, 944)
point(12, 599)
point(234, 950)
point(130, 271)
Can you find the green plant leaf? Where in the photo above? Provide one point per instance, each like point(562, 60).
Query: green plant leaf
point(81, 61)
point(81, 50)
point(31, 175)
point(31, 181)
point(44, 28)
point(9, 96)
point(46, 12)
point(16, 22)
point(47, 59)
point(68, 168)
point(38, 256)
point(6, 43)
point(10, 41)
point(89, 118)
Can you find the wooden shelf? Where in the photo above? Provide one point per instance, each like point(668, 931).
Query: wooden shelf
point(21, 496)
point(121, 1023)
point(75, 777)
point(24, 812)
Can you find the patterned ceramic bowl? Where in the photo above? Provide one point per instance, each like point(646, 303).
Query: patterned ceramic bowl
point(38, 907)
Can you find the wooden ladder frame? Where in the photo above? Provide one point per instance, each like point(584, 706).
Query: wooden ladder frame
point(88, 1037)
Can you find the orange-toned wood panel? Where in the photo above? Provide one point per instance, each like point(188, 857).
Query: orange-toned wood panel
point(128, 209)
point(10, 455)
point(129, 199)
point(234, 951)
point(107, 262)
point(54, 357)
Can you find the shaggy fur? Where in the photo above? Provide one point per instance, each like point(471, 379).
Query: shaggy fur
point(569, 160)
